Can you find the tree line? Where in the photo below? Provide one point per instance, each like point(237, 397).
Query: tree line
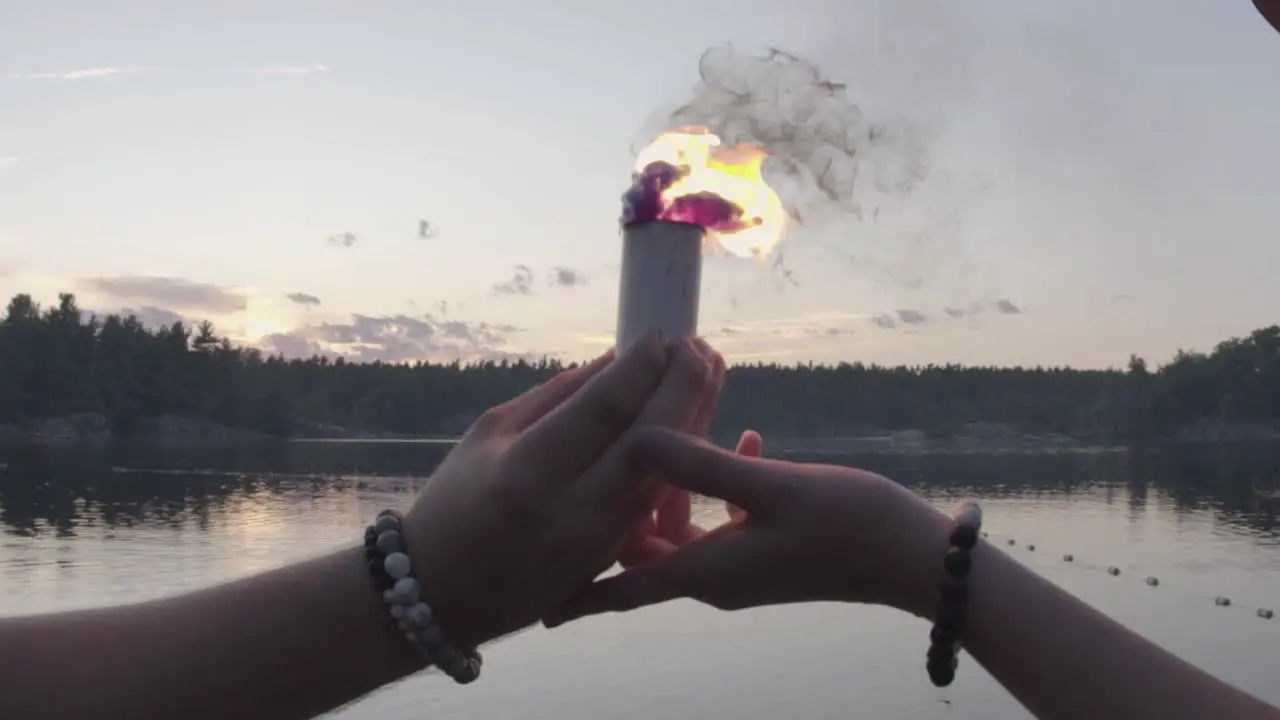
point(57, 361)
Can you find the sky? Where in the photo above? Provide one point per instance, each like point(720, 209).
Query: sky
point(1100, 180)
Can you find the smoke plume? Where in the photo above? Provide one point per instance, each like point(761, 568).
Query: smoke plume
point(822, 148)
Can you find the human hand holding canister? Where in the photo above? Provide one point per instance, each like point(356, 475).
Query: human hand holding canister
point(538, 498)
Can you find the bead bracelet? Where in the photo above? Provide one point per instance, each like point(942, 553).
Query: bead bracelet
point(389, 564)
point(948, 620)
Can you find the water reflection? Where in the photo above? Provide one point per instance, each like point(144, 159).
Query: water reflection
point(123, 525)
point(60, 490)
point(1220, 480)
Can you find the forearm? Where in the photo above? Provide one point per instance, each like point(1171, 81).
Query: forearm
point(290, 643)
point(1063, 659)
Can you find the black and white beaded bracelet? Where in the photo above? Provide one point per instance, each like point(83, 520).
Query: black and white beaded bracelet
point(948, 620)
point(392, 571)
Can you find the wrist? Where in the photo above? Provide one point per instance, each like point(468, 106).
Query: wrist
point(460, 621)
point(394, 657)
point(923, 541)
point(391, 566)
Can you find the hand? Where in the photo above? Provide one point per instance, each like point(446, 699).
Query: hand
point(538, 498)
point(673, 528)
point(811, 532)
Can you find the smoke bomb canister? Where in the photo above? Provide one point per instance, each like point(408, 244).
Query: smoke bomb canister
point(660, 280)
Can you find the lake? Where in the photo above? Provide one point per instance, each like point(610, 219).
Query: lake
point(82, 529)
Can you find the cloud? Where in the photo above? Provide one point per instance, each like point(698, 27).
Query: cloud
point(567, 277)
point(791, 337)
point(973, 310)
point(1002, 306)
point(884, 322)
point(169, 292)
point(316, 69)
point(830, 332)
point(476, 334)
point(79, 74)
point(7, 160)
point(809, 325)
point(342, 239)
point(912, 317)
point(293, 344)
point(1005, 307)
point(302, 298)
point(396, 339)
point(151, 317)
point(521, 282)
point(757, 334)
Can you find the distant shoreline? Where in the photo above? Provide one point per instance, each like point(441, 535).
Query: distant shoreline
point(783, 448)
point(93, 429)
point(376, 439)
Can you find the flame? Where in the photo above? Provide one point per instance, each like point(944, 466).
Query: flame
point(706, 171)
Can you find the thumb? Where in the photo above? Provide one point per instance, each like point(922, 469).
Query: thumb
point(750, 444)
point(719, 571)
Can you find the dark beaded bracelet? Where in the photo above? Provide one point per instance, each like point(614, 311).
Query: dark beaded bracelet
point(390, 568)
point(953, 595)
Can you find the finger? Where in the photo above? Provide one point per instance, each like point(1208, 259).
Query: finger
point(645, 549)
point(684, 389)
point(524, 410)
point(711, 398)
point(650, 496)
point(696, 465)
point(567, 440)
point(673, 405)
point(721, 571)
point(640, 514)
point(674, 514)
point(750, 444)
point(676, 508)
point(641, 529)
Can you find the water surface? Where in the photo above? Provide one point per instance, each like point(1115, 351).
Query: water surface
point(80, 530)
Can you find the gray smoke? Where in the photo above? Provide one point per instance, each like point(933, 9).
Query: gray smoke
point(822, 147)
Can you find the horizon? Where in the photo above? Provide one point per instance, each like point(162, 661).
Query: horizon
point(158, 319)
point(410, 184)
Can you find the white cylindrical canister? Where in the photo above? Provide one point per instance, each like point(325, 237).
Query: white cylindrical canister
point(660, 281)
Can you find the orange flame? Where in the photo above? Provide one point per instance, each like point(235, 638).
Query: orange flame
point(730, 173)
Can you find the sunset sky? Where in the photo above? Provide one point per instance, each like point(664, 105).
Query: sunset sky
point(1100, 179)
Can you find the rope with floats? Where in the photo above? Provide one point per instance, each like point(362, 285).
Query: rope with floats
point(1069, 559)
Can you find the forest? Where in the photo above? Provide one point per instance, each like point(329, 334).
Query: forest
point(57, 362)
